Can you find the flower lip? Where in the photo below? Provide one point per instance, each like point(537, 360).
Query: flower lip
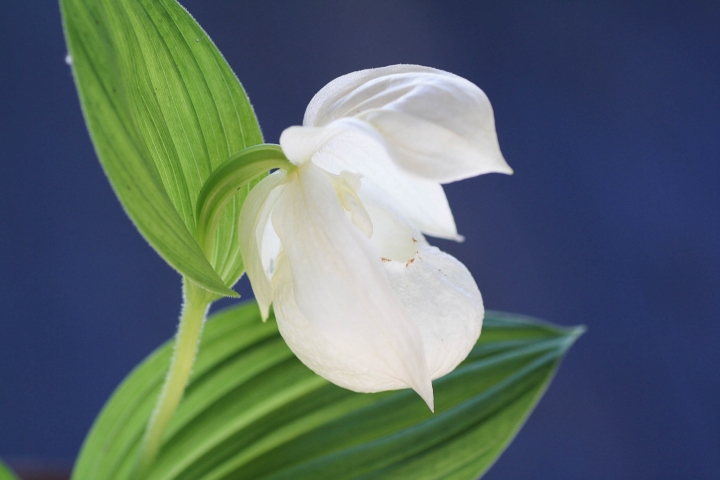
point(341, 290)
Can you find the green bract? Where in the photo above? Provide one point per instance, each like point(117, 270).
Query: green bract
point(221, 187)
point(164, 110)
point(252, 410)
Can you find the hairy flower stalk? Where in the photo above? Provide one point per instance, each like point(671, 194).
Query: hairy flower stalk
point(195, 307)
point(336, 243)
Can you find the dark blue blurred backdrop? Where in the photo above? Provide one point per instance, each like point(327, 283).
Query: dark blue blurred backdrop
point(609, 112)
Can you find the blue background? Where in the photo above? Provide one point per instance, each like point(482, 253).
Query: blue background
point(609, 112)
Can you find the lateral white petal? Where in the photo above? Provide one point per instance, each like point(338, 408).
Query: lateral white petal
point(356, 147)
point(252, 226)
point(333, 298)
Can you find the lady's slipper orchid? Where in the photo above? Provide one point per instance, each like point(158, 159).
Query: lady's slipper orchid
point(336, 244)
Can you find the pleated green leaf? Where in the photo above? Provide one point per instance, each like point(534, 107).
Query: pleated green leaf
point(163, 109)
point(6, 473)
point(253, 411)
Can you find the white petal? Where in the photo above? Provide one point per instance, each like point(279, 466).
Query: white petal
point(435, 288)
point(435, 124)
point(393, 236)
point(333, 301)
point(252, 227)
point(434, 151)
point(356, 147)
point(270, 245)
point(346, 186)
point(443, 301)
point(345, 96)
point(300, 143)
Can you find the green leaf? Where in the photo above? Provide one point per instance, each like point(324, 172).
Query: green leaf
point(6, 473)
point(163, 109)
point(252, 410)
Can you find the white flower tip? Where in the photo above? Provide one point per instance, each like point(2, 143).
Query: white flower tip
point(422, 384)
point(495, 160)
point(426, 393)
point(507, 170)
point(264, 312)
point(496, 163)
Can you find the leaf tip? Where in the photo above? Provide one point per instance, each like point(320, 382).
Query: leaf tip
point(232, 293)
point(222, 291)
point(572, 334)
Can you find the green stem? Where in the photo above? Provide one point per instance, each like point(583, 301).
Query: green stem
point(217, 191)
point(187, 338)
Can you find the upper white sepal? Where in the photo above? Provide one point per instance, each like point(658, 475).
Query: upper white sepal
point(434, 124)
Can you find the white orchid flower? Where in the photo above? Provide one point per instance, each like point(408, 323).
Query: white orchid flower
point(337, 243)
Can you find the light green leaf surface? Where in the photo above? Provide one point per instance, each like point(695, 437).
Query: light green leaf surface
point(252, 410)
point(6, 473)
point(163, 109)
